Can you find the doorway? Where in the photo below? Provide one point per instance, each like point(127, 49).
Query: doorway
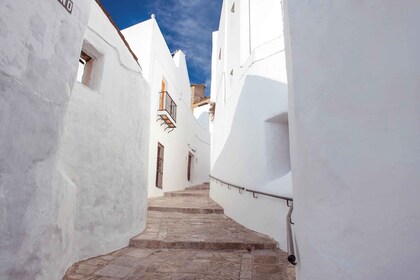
point(190, 161)
point(159, 165)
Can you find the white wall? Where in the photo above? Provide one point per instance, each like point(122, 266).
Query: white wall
point(104, 150)
point(250, 141)
point(202, 115)
point(355, 134)
point(37, 38)
point(149, 45)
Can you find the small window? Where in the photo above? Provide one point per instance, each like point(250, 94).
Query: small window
point(233, 8)
point(85, 69)
point(220, 54)
point(231, 72)
point(91, 66)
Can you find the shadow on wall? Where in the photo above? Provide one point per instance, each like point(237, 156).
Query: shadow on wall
point(257, 149)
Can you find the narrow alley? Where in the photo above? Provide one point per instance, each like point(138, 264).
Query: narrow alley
point(189, 237)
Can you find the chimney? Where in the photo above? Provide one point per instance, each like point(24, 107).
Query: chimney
point(197, 95)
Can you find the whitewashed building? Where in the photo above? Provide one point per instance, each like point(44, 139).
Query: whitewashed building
point(73, 154)
point(179, 151)
point(105, 143)
point(249, 131)
point(354, 69)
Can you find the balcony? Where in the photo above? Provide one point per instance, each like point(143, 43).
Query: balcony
point(167, 109)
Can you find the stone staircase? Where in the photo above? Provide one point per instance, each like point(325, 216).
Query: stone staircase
point(188, 237)
point(191, 220)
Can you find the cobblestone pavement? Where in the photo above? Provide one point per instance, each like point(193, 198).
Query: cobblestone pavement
point(192, 245)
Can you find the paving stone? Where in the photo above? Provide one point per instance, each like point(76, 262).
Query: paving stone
point(75, 277)
point(115, 271)
point(177, 246)
point(127, 261)
point(199, 187)
point(139, 253)
point(184, 277)
point(182, 204)
point(85, 269)
point(188, 193)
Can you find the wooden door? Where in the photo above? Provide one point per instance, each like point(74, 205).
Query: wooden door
point(159, 166)
point(162, 95)
point(190, 158)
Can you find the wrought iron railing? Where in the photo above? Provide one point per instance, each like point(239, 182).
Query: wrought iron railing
point(167, 104)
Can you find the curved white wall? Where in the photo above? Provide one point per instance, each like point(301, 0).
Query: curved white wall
point(39, 50)
point(355, 134)
point(104, 150)
point(250, 139)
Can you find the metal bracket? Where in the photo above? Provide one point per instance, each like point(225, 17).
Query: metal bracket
point(254, 195)
point(291, 222)
point(171, 129)
point(289, 204)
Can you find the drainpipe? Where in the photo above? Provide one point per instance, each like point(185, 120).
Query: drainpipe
point(290, 246)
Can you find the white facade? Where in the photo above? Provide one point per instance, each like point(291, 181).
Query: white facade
point(250, 141)
point(36, 220)
point(105, 144)
point(354, 69)
point(202, 115)
point(74, 159)
point(188, 137)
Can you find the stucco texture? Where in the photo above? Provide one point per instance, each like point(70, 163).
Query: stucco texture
point(104, 149)
point(37, 38)
point(73, 160)
point(355, 133)
point(250, 135)
point(189, 136)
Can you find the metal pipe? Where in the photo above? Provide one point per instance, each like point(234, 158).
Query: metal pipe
point(290, 246)
point(228, 184)
point(269, 194)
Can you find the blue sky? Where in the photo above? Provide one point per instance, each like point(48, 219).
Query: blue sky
point(185, 24)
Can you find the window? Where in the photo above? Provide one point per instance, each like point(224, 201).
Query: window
point(162, 94)
point(233, 8)
point(220, 54)
point(159, 166)
point(91, 63)
point(167, 106)
point(85, 68)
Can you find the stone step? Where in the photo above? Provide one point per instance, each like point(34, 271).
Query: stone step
point(187, 210)
point(199, 232)
point(159, 264)
point(200, 245)
point(199, 187)
point(185, 204)
point(194, 193)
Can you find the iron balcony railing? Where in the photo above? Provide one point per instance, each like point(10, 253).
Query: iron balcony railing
point(167, 104)
point(290, 243)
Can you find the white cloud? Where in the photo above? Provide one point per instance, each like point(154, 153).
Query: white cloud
point(187, 25)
